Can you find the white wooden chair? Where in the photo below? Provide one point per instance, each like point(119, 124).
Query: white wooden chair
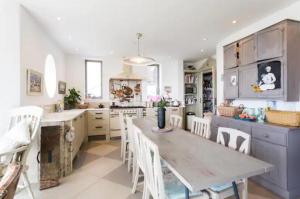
point(32, 115)
point(176, 121)
point(156, 185)
point(137, 134)
point(201, 127)
point(226, 190)
point(124, 138)
point(131, 147)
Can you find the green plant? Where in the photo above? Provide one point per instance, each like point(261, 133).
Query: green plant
point(162, 103)
point(72, 99)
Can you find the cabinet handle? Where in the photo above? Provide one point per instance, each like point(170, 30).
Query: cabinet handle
point(99, 113)
point(99, 127)
point(99, 118)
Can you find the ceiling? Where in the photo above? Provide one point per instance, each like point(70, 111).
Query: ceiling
point(173, 28)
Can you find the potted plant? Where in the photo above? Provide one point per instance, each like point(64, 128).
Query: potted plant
point(72, 99)
point(161, 113)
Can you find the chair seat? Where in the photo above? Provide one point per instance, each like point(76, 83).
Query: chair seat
point(174, 189)
point(221, 187)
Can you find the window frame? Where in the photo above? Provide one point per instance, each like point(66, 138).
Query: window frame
point(101, 75)
point(158, 78)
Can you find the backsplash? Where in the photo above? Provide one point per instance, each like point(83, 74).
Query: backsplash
point(278, 105)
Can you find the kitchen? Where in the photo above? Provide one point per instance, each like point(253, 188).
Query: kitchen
point(86, 77)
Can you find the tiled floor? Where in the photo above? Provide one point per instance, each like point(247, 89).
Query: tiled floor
point(100, 174)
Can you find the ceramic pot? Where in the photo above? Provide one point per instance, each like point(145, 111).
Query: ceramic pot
point(161, 117)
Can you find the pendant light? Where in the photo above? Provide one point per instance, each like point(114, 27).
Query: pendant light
point(138, 60)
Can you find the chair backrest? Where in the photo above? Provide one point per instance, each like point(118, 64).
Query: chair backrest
point(9, 182)
point(201, 127)
point(153, 172)
point(137, 134)
point(130, 130)
point(233, 139)
point(176, 121)
point(122, 125)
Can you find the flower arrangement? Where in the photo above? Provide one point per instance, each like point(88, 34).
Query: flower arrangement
point(159, 101)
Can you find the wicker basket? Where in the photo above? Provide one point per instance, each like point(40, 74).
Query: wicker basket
point(230, 111)
point(287, 118)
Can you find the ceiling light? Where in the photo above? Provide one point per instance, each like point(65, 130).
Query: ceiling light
point(234, 22)
point(204, 39)
point(139, 60)
point(58, 18)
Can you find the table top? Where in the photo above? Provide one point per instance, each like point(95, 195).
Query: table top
point(200, 163)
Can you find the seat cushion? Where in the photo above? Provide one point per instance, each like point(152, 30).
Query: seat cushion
point(174, 189)
point(221, 187)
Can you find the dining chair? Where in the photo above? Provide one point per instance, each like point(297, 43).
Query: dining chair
point(137, 134)
point(124, 138)
point(131, 147)
point(243, 146)
point(9, 182)
point(176, 121)
point(201, 127)
point(157, 185)
point(31, 115)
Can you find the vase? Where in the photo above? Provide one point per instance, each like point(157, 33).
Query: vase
point(161, 117)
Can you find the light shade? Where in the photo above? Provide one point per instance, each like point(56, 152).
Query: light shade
point(139, 61)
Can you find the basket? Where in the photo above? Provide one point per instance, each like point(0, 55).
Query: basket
point(83, 106)
point(230, 111)
point(288, 118)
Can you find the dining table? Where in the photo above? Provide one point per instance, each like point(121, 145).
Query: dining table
point(200, 163)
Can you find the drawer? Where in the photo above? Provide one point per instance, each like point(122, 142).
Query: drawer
point(97, 130)
point(270, 134)
point(104, 114)
point(232, 123)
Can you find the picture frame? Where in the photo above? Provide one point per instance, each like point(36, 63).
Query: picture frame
point(35, 83)
point(62, 87)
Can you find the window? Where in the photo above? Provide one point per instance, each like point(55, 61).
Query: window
point(152, 83)
point(93, 79)
point(50, 76)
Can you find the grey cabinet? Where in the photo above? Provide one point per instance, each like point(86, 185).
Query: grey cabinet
point(231, 90)
point(230, 56)
point(247, 77)
point(247, 50)
point(270, 42)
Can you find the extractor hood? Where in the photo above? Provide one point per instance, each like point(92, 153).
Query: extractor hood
point(127, 74)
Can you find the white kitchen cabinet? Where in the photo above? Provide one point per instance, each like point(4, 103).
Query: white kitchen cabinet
point(98, 123)
point(80, 133)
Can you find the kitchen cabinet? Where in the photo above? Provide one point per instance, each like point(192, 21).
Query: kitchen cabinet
point(78, 125)
point(270, 42)
point(275, 144)
point(247, 77)
point(247, 50)
point(98, 123)
point(231, 56)
point(231, 90)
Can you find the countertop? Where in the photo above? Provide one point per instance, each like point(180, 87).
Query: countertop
point(56, 118)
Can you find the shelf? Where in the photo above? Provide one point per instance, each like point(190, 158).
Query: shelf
point(190, 94)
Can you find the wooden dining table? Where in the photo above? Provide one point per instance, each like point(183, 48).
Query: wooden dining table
point(200, 163)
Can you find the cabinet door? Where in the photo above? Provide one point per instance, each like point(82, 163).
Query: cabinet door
point(231, 90)
point(247, 52)
point(247, 77)
point(230, 56)
point(275, 155)
point(270, 42)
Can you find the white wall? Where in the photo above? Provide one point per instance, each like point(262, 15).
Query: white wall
point(171, 73)
point(36, 44)
point(291, 12)
point(9, 59)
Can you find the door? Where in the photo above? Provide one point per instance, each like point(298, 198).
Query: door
point(247, 52)
point(275, 155)
point(247, 80)
point(231, 90)
point(230, 56)
point(270, 42)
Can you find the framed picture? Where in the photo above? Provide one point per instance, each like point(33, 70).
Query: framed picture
point(34, 82)
point(62, 87)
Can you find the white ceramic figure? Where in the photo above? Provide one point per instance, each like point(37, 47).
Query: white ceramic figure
point(267, 80)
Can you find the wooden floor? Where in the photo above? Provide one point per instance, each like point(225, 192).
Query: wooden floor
point(99, 173)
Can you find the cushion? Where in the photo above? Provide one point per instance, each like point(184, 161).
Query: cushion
point(221, 187)
point(17, 136)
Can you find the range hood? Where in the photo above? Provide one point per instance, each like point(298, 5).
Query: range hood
point(127, 74)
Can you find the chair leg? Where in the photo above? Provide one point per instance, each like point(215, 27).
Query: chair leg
point(122, 146)
point(27, 184)
point(245, 189)
point(136, 179)
point(124, 153)
point(134, 166)
point(129, 160)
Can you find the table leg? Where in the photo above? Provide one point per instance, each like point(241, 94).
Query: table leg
point(187, 193)
point(235, 189)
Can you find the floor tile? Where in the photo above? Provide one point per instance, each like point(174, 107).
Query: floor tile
point(115, 154)
point(102, 149)
point(84, 158)
point(104, 189)
point(120, 176)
